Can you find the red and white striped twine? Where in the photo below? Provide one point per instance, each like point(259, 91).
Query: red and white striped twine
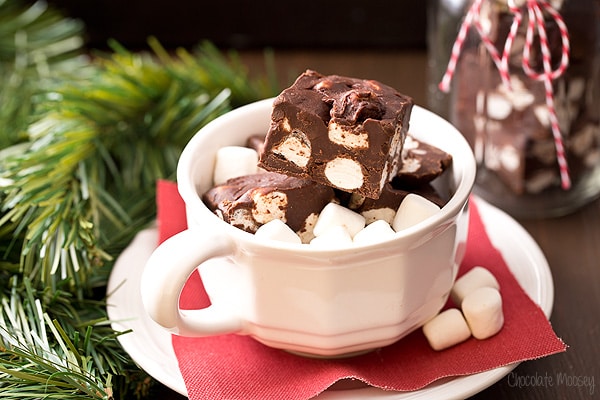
point(535, 9)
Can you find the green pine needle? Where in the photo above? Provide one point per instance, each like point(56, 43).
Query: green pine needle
point(37, 45)
point(38, 356)
point(82, 142)
point(103, 142)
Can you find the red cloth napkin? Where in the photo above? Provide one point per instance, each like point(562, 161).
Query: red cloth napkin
point(238, 367)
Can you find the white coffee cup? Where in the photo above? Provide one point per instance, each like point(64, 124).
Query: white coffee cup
point(314, 301)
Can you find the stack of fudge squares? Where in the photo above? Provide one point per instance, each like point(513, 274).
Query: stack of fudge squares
point(337, 165)
point(510, 129)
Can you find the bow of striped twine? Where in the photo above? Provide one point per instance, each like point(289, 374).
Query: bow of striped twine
point(536, 23)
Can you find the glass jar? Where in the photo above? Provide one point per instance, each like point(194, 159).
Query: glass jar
point(527, 165)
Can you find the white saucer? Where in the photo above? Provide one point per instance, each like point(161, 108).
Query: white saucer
point(150, 346)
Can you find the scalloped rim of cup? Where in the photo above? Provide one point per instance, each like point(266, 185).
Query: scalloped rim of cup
point(455, 204)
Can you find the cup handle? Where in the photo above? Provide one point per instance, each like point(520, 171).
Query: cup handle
point(167, 271)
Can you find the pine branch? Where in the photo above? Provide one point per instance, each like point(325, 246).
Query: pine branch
point(102, 143)
point(82, 143)
point(37, 45)
point(73, 196)
point(38, 356)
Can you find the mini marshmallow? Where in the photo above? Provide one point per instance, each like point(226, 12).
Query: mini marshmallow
point(374, 232)
point(277, 230)
point(474, 279)
point(333, 215)
point(334, 237)
point(498, 107)
point(483, 312)
point(412, 210)
point(234, 161)
point(446, 329)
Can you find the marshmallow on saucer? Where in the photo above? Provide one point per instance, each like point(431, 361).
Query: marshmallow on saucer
point(376, 231)
point(475, 278)
point(276, 229)
point(446, 329)
point(336, 215)
point(234, 161)
point(412, 210)
point(482, 309)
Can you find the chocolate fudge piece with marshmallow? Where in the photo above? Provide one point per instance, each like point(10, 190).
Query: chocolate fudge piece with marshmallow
point(342, 132)
point(249, 201)
point(391, 197)
point(510, 129)
point(421, 163)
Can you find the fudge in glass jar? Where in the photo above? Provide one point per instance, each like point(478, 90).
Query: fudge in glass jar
point(523, 86)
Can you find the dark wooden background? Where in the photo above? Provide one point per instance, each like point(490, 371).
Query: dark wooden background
point(239, 24)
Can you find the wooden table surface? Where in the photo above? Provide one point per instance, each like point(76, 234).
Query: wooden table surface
point(571, 244)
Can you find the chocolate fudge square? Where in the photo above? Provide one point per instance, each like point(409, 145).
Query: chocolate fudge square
point(421, 163)
point(249, 201)
point(342, 132)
